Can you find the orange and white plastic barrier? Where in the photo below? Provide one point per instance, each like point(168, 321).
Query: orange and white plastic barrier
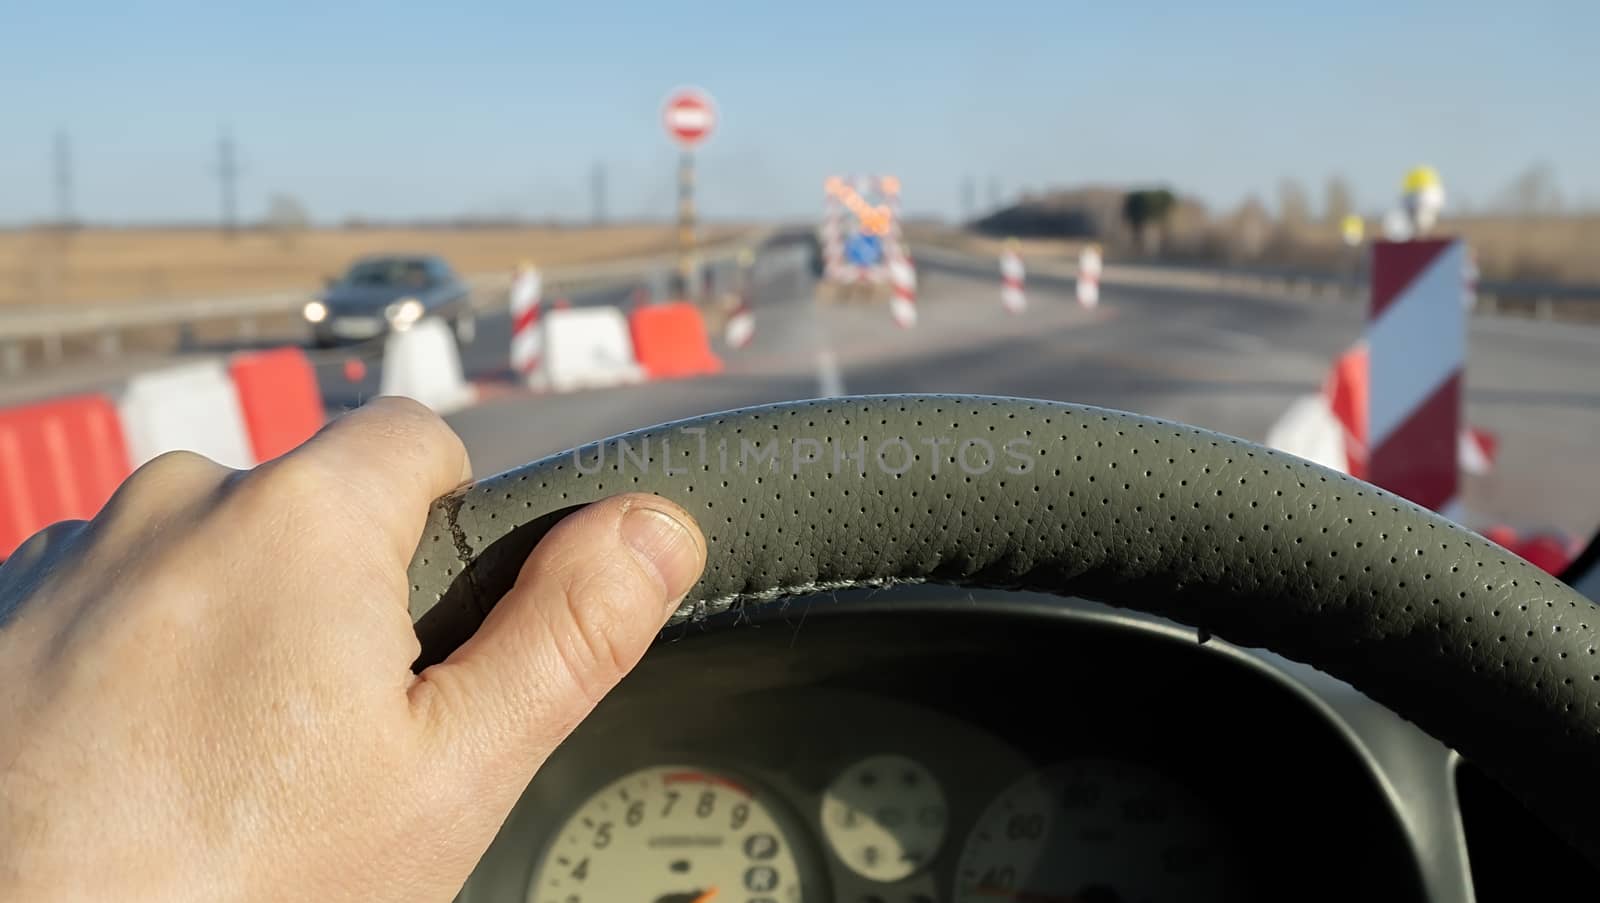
point(424, 364)
point(669, 341)
point(62, 458)
point(1089, 265)
point(526, 339)
point(279, 397)
point(587, 348)
point(59, 460)
point(189, 406)
point(1012, 274)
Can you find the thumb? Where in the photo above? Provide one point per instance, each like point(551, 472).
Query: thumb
point(586, 605)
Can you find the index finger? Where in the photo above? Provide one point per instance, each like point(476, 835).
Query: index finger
point(395, 457)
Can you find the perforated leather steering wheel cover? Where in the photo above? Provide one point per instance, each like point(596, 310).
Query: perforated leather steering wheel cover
point(1479, 648)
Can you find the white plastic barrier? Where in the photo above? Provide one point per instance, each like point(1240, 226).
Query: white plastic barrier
point(423, 363)
point(1311, 430)
point(193, 407)
point(588, 348)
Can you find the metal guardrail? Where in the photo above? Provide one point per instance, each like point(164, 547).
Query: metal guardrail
point(1494, 296)
point(50, 327)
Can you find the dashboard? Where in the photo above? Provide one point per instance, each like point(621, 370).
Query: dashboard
point(915, 746)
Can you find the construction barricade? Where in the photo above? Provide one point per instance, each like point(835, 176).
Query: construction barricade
point(587, 348)
point(59, 460)
point(670, 342)
point(279, 398)
point(423, 363)
point(190, 406)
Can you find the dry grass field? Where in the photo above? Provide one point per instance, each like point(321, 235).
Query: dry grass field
point(1538, 249)
point(1563, 249)
point(42, 267)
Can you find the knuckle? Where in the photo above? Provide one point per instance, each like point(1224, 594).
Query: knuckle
point(600, 646)
point(168, 482)
point(291, 477)
point(177, 466)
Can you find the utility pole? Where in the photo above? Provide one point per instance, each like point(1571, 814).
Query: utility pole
point(228, 178)
point(597, 192)
point(969, 198)
point(994, 194)
point(63, 167)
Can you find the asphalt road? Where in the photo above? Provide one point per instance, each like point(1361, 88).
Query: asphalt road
point(1229, 363)
point(1232, 363)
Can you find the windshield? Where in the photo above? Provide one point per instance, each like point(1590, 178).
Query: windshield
point(389, 274)
point(1362, 234)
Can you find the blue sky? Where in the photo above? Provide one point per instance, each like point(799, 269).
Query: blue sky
point(390, 109)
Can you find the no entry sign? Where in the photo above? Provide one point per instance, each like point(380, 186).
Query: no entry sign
point(689, 116)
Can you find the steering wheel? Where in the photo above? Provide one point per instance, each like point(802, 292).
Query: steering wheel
point(1477, 647)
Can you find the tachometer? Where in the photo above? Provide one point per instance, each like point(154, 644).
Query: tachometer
point(884, 817)
point(669, 834)
point(1095, 831)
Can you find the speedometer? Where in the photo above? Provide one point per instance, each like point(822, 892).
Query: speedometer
point(669, 834)
point(1095, 830)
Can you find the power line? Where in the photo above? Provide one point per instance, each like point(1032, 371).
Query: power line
point(63, 173)
point(597, 192)
point(228, 178)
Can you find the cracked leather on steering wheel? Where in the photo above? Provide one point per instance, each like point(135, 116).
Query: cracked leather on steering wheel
point(1482, 650)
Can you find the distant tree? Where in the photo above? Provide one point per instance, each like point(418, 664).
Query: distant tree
point(1337, 202)
point(1532, 193)
point(1294, 210)
point(287, 219)
point(1145, 211)
point(1251, 228)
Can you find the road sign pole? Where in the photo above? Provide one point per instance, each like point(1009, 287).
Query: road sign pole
point(687, 265)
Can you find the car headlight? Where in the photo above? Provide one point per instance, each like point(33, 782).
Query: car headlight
point(402, 314)
point(315, 312)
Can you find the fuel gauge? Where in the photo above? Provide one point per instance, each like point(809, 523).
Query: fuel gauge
point(884, 817)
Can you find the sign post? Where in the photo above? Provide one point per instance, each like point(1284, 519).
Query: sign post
point(689, 116)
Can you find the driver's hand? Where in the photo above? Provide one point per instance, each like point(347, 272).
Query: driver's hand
point(206, 693)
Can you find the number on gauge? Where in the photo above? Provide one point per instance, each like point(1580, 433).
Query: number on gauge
point(884, 817)
point(669, 834)
point(1095, 830)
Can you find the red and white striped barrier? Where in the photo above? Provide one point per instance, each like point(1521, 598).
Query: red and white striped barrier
point(1012, 275)
point(526, 337)
point(1089, 276)
point(1392, 404)
point(741, 326)
point(1477, 451)
point(832, 239)
point(1345, 395)
point(1416, 347)
point(903, 285)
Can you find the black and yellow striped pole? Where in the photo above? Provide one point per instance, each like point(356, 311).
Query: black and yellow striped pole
point(689, 115)
point(688, 266)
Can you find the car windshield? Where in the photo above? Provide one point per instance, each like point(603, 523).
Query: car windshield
point(389, 274)
point(1366, 234)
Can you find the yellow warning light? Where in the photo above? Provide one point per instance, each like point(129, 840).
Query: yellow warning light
point(1353, 228)
point(1421, 178)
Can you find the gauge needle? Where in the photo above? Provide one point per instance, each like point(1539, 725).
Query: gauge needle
point(706, 897)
